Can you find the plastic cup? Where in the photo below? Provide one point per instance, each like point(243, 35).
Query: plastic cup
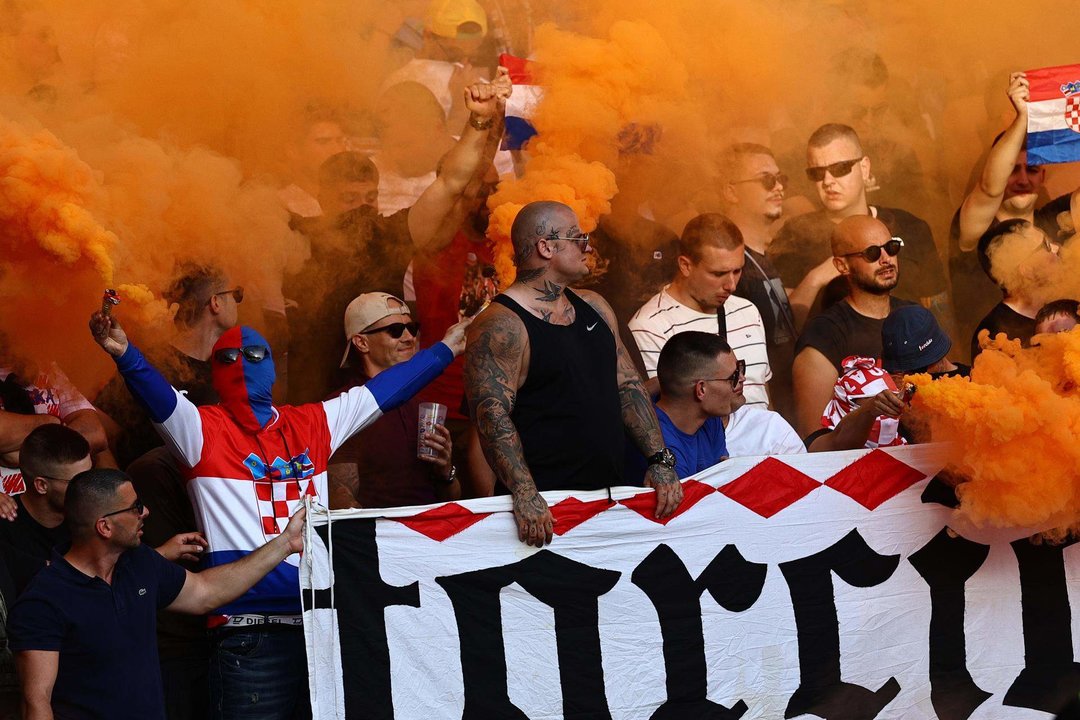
point(431, 414)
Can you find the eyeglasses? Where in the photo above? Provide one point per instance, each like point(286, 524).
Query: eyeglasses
point(237, 294)
point(767, 180)
point(735, 378)
point(582, 241)
point(872, 253)
point(136, 507)
point(252, 353)
point(837, 169)
point(396, 330)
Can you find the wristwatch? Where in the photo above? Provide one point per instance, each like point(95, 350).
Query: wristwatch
point(665, 457)
point(449, 479)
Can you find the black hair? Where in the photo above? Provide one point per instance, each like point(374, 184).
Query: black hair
point(49, 446)
point(192, 287)
point(685, 357)
point(90, 495)
point(1065, 306)
point(992, 238)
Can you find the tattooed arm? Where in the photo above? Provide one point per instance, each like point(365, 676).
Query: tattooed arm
point(495, 367)
point(638, 415)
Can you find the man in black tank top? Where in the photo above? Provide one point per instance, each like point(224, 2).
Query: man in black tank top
point(550, 385)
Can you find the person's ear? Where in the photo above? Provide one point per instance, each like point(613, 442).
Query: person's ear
point(685, 265)
point(103, 528)
point(728, 191)
point(865, 165)
point(360, 342)
point(841, 265)
point(40, 485)
point(215, 304)
point(545, 248)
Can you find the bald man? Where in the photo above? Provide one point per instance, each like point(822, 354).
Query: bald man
point(550, 386)
point(866, 255)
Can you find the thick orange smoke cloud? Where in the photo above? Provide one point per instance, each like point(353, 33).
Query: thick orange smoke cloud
point(1014, 426)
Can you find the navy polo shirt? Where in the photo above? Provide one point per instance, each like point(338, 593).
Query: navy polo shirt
point(105, 634)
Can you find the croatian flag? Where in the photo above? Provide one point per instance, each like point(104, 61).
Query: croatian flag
point(1054, 115)
point(522, 103)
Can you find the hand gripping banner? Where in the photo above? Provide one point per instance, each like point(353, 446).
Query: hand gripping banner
point(834, 585)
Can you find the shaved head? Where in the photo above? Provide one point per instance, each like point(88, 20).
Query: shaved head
point(856, 233)
point(541, 219)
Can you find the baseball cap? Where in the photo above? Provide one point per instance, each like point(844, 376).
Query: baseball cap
point(445, 17)
point(366, 310)
point(911, 339)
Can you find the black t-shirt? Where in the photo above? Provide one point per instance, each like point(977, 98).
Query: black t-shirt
point(761, 284)
point(806, 241)
point(183, 372)
point(1003, 319)
point(357, 254)
point(839, 331)
point(25, 547)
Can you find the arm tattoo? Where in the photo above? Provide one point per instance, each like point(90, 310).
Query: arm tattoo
point(343, 480)
point(491, 395)
point(549, 293)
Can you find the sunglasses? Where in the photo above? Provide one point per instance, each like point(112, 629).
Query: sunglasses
point(837, 170)
point(582, 241)
point(735, 378)
point(237, 294)
point(396, 330)
point(253, 353)
point(767, 180)
point(872, 253)
point(136, 507)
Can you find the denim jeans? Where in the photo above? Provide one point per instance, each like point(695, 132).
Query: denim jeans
point(259, 674)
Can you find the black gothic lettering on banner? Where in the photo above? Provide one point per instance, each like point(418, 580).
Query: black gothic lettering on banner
point(946, 563)
point(361, 619)
point(572, 590)
point(821, 692)
point(1050, 677)
point(734, 583)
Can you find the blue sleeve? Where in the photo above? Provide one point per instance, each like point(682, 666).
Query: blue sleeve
point(147, 384)
point(396, 385)
point(35, 624)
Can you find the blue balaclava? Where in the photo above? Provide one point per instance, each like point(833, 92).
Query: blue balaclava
point(244, 386)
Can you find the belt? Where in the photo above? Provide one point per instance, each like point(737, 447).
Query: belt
point(249, 619)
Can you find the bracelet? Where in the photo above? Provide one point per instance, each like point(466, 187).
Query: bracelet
point(477, 124)
point(449, 480)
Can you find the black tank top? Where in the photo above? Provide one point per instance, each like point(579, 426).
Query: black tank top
point(568, 413)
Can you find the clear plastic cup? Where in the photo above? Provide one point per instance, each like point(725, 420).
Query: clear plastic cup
point(431, 414)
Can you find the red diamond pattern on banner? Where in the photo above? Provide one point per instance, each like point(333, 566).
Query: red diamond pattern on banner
point(769, 487)
point(645, 503)
point(442, 522)
point(571, 512)
point(874, 478)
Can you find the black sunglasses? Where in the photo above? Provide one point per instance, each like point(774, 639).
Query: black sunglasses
point(137, 507)
point(767, 180)
point(872, 253)
point(837, 170)
point(735, 378)
point(237, 294)
point(253, 353)
point(396, 330)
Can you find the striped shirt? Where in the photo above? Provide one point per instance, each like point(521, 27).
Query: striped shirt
point(663, 316)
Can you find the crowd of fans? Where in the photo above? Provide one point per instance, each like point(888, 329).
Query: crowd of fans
point(752, 331)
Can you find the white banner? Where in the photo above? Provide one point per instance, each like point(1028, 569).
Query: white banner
point(830, 585)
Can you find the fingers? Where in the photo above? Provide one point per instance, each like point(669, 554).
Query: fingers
point(668, 498)
point(8, 508)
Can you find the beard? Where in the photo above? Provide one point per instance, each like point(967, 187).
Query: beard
point(875, 284)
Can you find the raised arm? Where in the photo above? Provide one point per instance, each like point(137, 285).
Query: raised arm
point(494, 361)
point(428, 216)
point(221, 584)
point(638, 415)
point(802, 297)
point(177, 420)
point(984, 200)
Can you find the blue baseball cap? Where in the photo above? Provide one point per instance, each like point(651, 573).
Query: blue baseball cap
point(911, 339)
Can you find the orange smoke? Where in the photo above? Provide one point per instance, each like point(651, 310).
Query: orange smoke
point(1014, 425)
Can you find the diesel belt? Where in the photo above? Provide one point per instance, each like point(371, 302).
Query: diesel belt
point(249, 619)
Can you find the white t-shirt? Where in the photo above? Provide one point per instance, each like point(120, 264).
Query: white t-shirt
point(753, 431)
point(663, 316)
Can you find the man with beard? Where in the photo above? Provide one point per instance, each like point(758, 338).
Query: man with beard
point(1020, 259)
point(866, 256)
point(550, 385)
point(840, 171)
point(355, 250)
point(248, 464)
point(1007, 189)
